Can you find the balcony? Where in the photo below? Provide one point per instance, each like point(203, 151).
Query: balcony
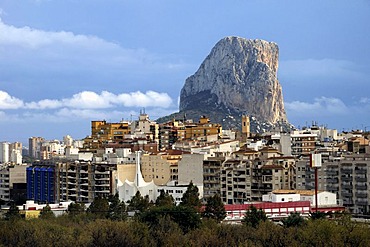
point(361, 202)
point(361, 171)
point(347, 194)
point(361, 187)
point(346, 170)
point(332, 173)
point(347, 186)
point(361, 179)
point(332, 180)
point(347, 202)
point(102, 178)
point(102, 184)
point(361, 195)
point(347, 179)
point(332, 188)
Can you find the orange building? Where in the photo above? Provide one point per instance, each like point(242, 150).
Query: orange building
point(202, 129)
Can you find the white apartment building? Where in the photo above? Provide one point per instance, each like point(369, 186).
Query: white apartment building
point(4, 152)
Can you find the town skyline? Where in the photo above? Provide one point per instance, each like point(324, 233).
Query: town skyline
point(59, 72)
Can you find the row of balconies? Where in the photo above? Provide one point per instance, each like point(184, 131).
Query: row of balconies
point(361, 171)
point(361, 179)
point(332, 173)
point(362, 202)
point(361, 186)
point(361, 195)
point(332, 180)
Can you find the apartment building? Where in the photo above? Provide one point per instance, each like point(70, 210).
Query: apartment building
point(41, 184)
point(304, 143)
point(4, 152)
point(12, 182)
point(34, 147)
point(249, 174)
point(169, 133)
point(82, 181)
point(63, 180)
point(212, 168)
point(161, 168)
point(347, 176)
point(145, 128)
point(202, 129)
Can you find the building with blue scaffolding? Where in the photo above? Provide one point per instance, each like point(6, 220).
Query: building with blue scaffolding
point(41, 183)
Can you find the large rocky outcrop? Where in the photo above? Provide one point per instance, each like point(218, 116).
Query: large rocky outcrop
point(239, 75)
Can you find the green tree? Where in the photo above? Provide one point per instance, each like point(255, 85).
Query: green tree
point(317, 215)
point(215, 208)
point(186, 217)
point(191, 197)
point(99, 208)
point(46, 213)
point(253, 217)
point(164, 199)
point(13, 212)
point(75, 209)
point(117, 209)
point(138, 203)
point(294, 220)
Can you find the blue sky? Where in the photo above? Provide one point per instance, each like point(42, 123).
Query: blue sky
point(65, 63)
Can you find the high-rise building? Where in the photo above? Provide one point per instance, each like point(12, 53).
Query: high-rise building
point(4, 152)
point(348, 176)
point(34, 147)
point(11, 178)
point(248, 174)
point(41, 185)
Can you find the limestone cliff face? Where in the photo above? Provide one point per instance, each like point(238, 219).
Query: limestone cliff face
point(240, 76)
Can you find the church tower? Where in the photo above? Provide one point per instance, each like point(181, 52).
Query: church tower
point(246, 127)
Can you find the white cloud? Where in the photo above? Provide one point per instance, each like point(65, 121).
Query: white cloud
point(90, 100)
point(44, 104)
point(320, 106)
point(365, 100)
point(33, 38)
point(9, 102)
point(149, 99)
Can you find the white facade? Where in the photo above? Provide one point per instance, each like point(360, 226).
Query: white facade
point(86, 156)
point(68, 141)
point(271, 197)
point(256, 145)
point(4, 152)
point(71, 152)
point(16, 157)
point(128, 189)
point(324, 198)
point(52, 148)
